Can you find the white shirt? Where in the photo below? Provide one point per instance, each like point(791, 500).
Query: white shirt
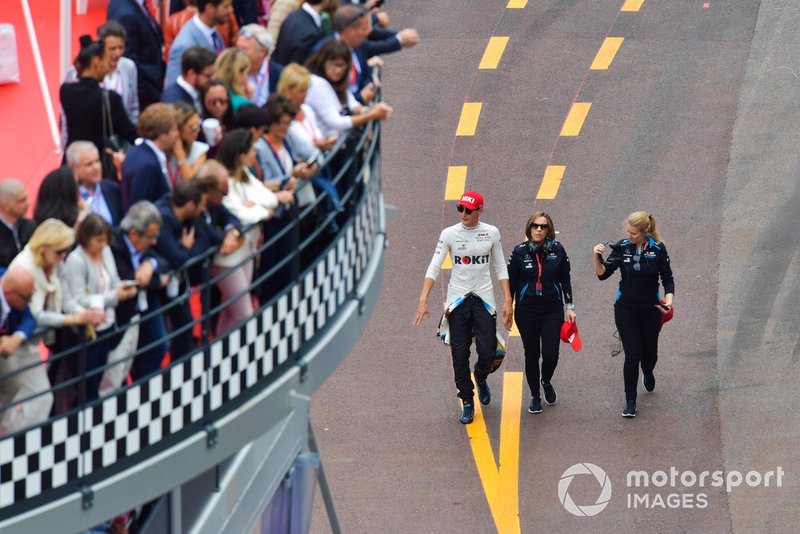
point(261, 84)
point(471, 250)
point(162, 160)
point(194, 93)
point(314, 15)
point(323, 100)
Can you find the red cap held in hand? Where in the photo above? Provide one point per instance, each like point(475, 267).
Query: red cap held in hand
point(569, 334)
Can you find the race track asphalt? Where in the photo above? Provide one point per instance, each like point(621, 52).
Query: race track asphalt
point(695, 120)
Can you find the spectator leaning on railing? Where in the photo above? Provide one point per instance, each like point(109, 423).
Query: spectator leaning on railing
point(41, 257)
point(16, 326)
point(15, 229)
point(135, 260)
point(176, 244)
point(91, 281)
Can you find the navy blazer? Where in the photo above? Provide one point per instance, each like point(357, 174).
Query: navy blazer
point(10, 247)
point(297, 37)
point(275, 70)
point(122, 259)
point(17, 320)
point(143, 45)
point(112, 194)
point(169, 246)
point(142, 178)
point(175, 93)
point(382, 41)
point(210, 227)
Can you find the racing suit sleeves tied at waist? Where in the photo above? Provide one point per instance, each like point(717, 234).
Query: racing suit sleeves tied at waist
point(443, 330)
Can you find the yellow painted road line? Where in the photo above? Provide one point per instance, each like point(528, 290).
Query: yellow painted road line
point(606, 53)
point(551, 181)
point(517, 4)
point(500, 483)
point(456, 181)
point(468, 122)
point(447, 263)
point(632, 6)
point(574, 123)
point(493, 53)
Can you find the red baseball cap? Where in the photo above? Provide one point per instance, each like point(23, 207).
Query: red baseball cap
point(569, 334)
point(472, 200)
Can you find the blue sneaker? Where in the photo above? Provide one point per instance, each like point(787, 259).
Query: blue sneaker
point(468, 414)
point(484, 393)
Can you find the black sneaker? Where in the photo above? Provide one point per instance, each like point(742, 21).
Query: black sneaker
point(468, 414)
point(630, 409)
point(536, 406)
point(550, 396)
point(648, 381)
point(484, 393)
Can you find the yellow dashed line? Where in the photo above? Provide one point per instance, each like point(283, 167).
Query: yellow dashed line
point(606, 53)
point(468, 122)
point(493, 53)
point(516, 4)
point(574, 123)
point(632, 5)
point(551, 181)
point(456, 181)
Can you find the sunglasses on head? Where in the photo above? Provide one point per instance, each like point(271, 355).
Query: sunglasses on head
point(535, 226)
point(464, 209)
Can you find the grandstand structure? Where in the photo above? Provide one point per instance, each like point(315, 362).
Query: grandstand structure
point(219, 440)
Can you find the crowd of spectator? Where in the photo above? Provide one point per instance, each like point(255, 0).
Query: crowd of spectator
point(207, 135)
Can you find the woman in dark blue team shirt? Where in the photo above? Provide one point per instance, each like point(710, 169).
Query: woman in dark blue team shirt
point(641, 258)
point(538, 273)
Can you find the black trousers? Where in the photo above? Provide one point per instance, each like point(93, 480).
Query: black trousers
point(471, 318)
point(638, 331)
point(541, 335)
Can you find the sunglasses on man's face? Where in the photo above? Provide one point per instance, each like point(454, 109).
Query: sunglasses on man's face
point(462, 209)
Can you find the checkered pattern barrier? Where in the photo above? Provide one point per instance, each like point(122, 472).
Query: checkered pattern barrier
point(51, 457)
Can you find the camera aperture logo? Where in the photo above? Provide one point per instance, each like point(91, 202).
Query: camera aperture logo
point(586, 510)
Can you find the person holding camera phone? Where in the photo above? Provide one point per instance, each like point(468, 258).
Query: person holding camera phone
point(539, 276)
point(641, 258)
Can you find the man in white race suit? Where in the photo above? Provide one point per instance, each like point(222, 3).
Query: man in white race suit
point(474, 249)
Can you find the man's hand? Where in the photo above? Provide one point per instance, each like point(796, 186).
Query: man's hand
point(144, 274)
point(508, 314)
point(285, 197)
point(230, 242)
point(422, 311)
point(187, 237)
point(9, 344)
point(408, 37)
point(368, 93)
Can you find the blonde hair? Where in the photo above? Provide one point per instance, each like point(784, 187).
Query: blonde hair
point(292, 76)
point(229, 63)
point(51, 233)
point(645, 223)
